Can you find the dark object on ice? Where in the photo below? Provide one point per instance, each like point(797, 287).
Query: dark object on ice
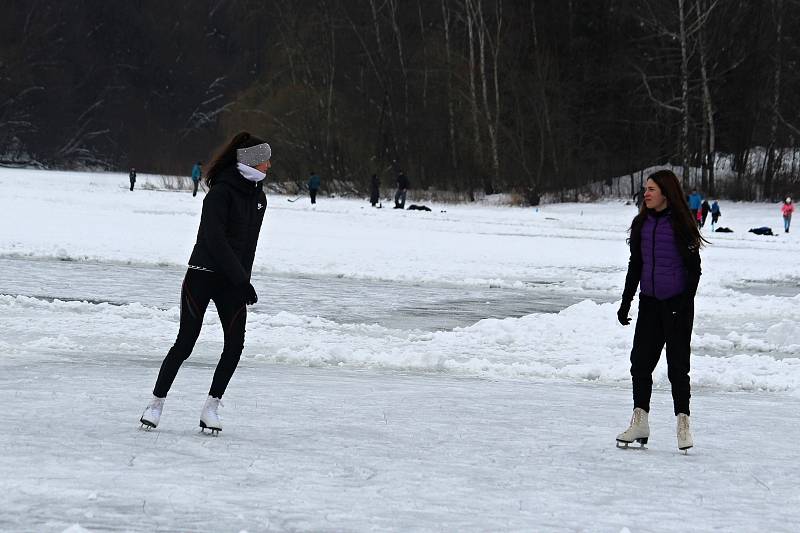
point(374, 190)
point(723, 230)
point(403, 184)
point(314, 182)
point(763, 230)
point(132, 177)
point(415, 207)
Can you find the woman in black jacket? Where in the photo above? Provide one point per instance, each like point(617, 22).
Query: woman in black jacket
point(219, 269)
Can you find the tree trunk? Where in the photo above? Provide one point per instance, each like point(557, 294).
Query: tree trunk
point(543, 96)
point(329, 156)
point(393, 7)
point(684, 95)
point(476, 129)
point(769, 164)
point(489, 184)
point(451, 126)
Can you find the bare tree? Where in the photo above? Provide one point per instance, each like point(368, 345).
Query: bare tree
point(771, 157)
point(491, 113)
point(451, 126)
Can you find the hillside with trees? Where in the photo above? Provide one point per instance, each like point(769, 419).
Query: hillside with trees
point(472, 96)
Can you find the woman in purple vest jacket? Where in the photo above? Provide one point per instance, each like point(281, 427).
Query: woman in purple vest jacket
point(665, 265)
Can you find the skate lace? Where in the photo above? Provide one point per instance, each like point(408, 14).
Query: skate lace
point(683, 427)
point(215, 405)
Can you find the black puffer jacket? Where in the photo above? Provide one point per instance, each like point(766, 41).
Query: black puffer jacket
point(233, 211)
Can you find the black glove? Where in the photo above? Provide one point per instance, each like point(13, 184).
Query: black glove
point(248, 293)
point(622, 314)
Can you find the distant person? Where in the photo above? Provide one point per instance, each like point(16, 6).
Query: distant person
point(694, 203)
point(665, 266)
point(374, 190)
point(313, 187)
point(402, 188)
point(705, 208)
point(219, 270)
point(787, 209)
point(132, 177)
point(715, 214)
point(638, 197)
point(197, 173)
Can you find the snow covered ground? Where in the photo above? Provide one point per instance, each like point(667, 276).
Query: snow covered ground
point(454, 370)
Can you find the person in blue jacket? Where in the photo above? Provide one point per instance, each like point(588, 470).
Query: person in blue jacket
point(715, 214)
point(197, 173)
point(695, 201)
point(313, 187)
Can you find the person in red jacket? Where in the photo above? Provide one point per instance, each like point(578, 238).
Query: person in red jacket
point(219, 269)
point(787, 209)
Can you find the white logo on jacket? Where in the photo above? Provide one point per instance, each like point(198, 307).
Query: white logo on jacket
point(260, 205)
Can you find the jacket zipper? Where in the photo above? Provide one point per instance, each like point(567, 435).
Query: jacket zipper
point(653, 278)
point(251, 222)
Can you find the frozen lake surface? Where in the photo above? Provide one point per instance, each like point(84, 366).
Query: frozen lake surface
point(443, 371)
point(312, 449)
point(398, 305)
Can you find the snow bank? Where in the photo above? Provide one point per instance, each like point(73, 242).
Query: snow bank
point(582, 342)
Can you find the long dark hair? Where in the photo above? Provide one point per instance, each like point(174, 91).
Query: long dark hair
point(226, 155)
point(682, 223)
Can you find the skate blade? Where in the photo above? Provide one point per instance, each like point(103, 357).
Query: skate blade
point(146, 424)
point(686, 449)
point(624, 445)
point(214, 431)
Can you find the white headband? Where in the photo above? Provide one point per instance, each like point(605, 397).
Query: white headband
point(254, 155)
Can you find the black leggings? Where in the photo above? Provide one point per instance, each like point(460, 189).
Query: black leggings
point(660, 322)
point(199, 288)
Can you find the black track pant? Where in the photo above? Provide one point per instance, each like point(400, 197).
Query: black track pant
point(199, 288)
point(313, 194)
point(662, 322)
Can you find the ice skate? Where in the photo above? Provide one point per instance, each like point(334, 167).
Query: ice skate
point(684, 434)
point(638, 431)
point(152, 413)
point(209, 418)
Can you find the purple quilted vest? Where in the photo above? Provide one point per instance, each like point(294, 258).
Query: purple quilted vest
point(663, 271)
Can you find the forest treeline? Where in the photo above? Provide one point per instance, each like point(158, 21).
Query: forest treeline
point(474, 96)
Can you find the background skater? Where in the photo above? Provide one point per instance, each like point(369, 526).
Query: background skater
point(665, 264)
point(402, 190)
point(715, 214)
point(786, 210)
point(374, 190)
point(197, 173)
point(314, 182)
point(219, 269)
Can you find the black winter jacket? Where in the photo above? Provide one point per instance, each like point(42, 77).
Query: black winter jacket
point(233, 211)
